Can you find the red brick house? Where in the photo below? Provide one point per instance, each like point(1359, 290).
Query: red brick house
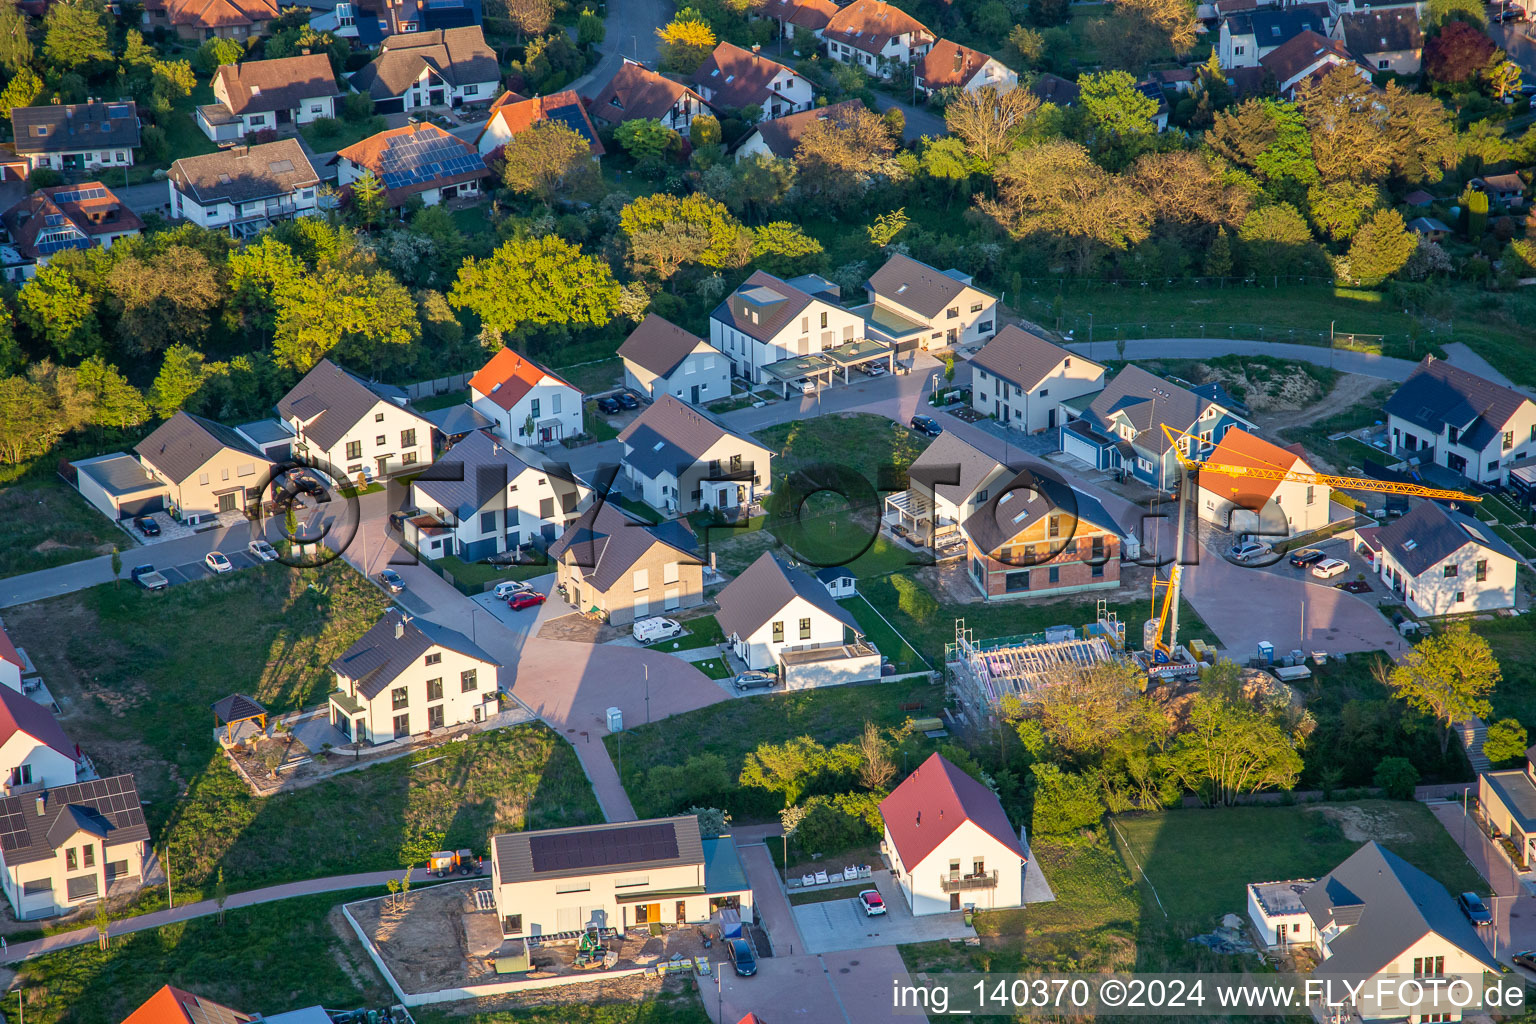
point(1037, 536)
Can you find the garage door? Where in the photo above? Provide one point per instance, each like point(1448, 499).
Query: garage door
point(390, 106)
point(1080, 448)
point(142, 507)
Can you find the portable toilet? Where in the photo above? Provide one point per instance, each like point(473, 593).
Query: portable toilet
point(615, 720)
point(1266, 653)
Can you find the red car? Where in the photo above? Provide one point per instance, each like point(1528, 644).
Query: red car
point(525, 599)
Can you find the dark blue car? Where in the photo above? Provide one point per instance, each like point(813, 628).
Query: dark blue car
point(927, 425)
point(742, 958)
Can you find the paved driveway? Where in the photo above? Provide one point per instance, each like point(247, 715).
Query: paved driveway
point(1514, 909)
point(841, 924)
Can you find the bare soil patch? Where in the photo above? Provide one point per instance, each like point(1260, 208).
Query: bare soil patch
point(579, 629)
point(1359, 825)
point(1349, 390)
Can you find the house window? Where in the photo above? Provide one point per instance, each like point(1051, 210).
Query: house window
point(1428, 966)
point(1016, 582)
point(202, 478)
point(952, 312)
point(642, 579)
point(71, 859)
point(546, 508)
point(1450, 572)
point(354, 449)
point(823, 320)
point(81, 888)
point(669, 572)
point(408, 438)
point(984, 327)
point(435, 689)
point(21, 775)
point(89, 853)
point(378, 417)
point(1055, 574)
point(487, 522)
point(435, 716)
point(978, 867)
point(1045, 392)
point(435, 658)
point(1382, 65)
point(533, 408)
point(1054, 526)
point(1309, 494)
point(778, 632)
point(512, 924)
point(1097, 571)
point(469, 680)
point(380, 441)
point(399, 698)
point(1481, 573)
point(402, 725)
point(471, 90)
point(36, 886)
point(1461, 595)
point(975, 307)
point(805, 629)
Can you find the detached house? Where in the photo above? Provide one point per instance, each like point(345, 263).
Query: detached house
point(912, 305)
point(170, 1005)
point(439, 68)
point(61, 217)
point(767, 320)
point(1306, 56)
point(1506, 190)
point(624, 568)
point(525, 402)
point(1035, 535)
point(208, 468)
point(70, 846)
point(873, 34)
point(201, 20)
point(245, 189)
point(945, 484)
point(1507, 800)
point(414, 160)
point(1454, 418)
point(76, 136)
point(660, 358)
point(952, 66)
point(1022, 379)
point(371, 22)
point(681, 459)
point(35, 753)
point(636, 93)
point(950, 843)
point(797, 18)
point(512, 115)
point(266, 95)
point(1444, 563)
point(732, 78)
point(781, 136)
point(12, 664)
point(351, 427)
point(485, 497)
point(1270, 509)
point(1246, 36)
point(1121, 430)
point(781, 619)
point(407, 676)
point(1388, 39)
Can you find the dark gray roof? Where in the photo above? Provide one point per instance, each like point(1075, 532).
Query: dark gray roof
point(916, 285)
point(1147, 401)
point(1438, 394)
point(68, 127)
point(658, 345)
point(458, 55)
point(762, 591)
point(951, 457)
point(477, 470)
point(1368, 32)
point(330, 401)
point(1517, 793)
point(392, 645)
point(782, 134)
point(458, 419)
point(776, 302)
point(833, 573)
point(1430, 533)
point(268, 431)
point(107, 807)
point(599, 849)
point(237, 707)
point(672, 436)
point(724, 872)
point(184, 443)
point(1025, 499)
point(1021, 358)
point(605, 541)
point(1388, 905)
point(1272, 26)
point(119, 474)
point(242, 174)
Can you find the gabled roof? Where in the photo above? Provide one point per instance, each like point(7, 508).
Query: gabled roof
point(8, 651)
point(518, 114)
point(1431, 533)
point(415, 158)
point(215, 14)
point(459, 56)
point(1382, 31)
point(509, 376)
point(184, 443)
point(1148, 401)
point(605, 541)
point(1510, 182)
point(737, 78)
point(1302, 53)
point(952, 457)
point(468, 476)
point(949, 65)
point(242, 174)
point(659, 345)
point(1437, 395)
point(279, 84)
point(1271, 26)
point(808, 14)
point(1386, 905)
point(782, 134)
point(671, 436)
point(392, 645)
point(765, 588)
point(775, 301)
point(71, 127)
point(1240, 448)
point(109, 806)
point(917, 286)
point(329, 402)
point(22, 714)
point(172, 1005)
point(637, 92)
point(67, 217)
point(1026, 499)
point(1063, 92)
point(1428, 226)
point(599, 849)
point(935, 800)
point(870, 25)
point(1021, 358)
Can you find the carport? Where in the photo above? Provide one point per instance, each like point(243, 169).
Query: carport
point(857, 353)
point(816, 367)
point(903, 335)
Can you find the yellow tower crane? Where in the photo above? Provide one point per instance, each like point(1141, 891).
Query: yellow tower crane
point(1184, 444)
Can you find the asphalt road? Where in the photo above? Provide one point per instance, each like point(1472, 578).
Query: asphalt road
point(632, 26)
point(920, 120)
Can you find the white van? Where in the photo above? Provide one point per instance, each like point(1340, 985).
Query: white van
point(649, 631)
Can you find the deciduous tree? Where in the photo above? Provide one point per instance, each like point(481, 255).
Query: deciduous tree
point(665, 232)
point(685, 42)
point(551, 161)
point(1276, 240)
point(1270, 139)
point(1457, 53)
point(58, 309)
point(1065, 802)
point(163, 298)
point(1506, 741)
point(181, 376)
point(646, 138)
point(988, 123)
point(257, 273)
point(783, 248)
point(21, 91)
point(840, 156)
point(530, 17)
point(15, 44)
point(75, 36)
point(537, 281)
point(1338, 208)
point(1190, 195)
point(354, 310)
point(786, 768)
point(1229, 749)
point(1448, 676)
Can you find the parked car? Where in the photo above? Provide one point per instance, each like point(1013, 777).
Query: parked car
point(1473, 906)
point(1328, 568)
point(873, 905)
point(804, 385)
point(742, 958)
point(627, 400)
point(873, 370)
point(525, 599)
point(147, 526)
point(391, 581)
point(1248, 549)
point(216, 561)
point(1525, 958)
point(608, 404)
point(927, 425)
point(1305, 557)
point(649, 631)
point(506, 589)
point(755, 681)
point(262, 551)
point(146, 577)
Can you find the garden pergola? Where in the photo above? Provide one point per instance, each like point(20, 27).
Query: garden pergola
point(237, 708)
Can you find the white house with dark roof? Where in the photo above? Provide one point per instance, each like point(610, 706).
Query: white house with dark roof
point(945, 484)
point(1246, 36)
point(12, 664)
point(615, 875)
point(874, 34)
point(767, 320)
point(1441, 562)
point(733, 78)
point(950, 842)
point(207, 468)
point(67, 847)
point(781, 619)
point(244, 189)
point(1022, 379)
point(1372, 917)
point(780, 137)
point(76, 136)
point(1456, 419)
point(680, 459)
point(526, 403)
point(439, 68)
point(268, 95)
point(912, 305)
point(407, 676)
point(352, 427)
point(660, 358)
point(484, 497)
point(1388, 39)
point(616, 565)
point(1507, 800)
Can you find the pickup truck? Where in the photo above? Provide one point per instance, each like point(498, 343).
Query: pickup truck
point(146, 577)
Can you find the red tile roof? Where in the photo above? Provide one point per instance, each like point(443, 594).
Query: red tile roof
point(8, 651)
point(508, 377)
point(1240, 448)
point(369, 153)
point(948, 64)
point(637, 92)
point(737, 78)
point(209, 14)
point(93, 215)
point(519, 114)
point(809, 14)
point(175, 1006)
point(870, 25)
point(934, 801)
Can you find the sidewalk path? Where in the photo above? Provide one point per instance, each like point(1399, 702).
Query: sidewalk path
point(1384, 367)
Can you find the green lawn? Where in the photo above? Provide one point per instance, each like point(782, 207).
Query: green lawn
point(886, 640)
point(328, 135)
point(264, 959)
point(715, 668)
point(597, 424)
point(478, 574)
point(862, 442)
point(671, 1008)
point(1514, 645)
point(447, 399)
point(703, 631)
point(800, 898)
point(591, 378)
point(49, 524)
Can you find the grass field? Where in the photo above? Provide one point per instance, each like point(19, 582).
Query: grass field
point(703, 631)
point(48, 524)
point(683, 1008)
point(478, 573)
point(1514, 645)
point(862, 442)
point(265, 959)
point(800, 898)
point(594, 377)
point(432, 403)
point(886, 640)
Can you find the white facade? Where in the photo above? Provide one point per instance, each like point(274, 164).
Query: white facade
point(702, 377)
point(527, 508)
point(1237, 50)
point(818, 327)
point(678, 490)
point(798, 624)
point(431, 89)
point(386, 439)
point(1471, 579)
point(552, 408)
point(26, 761)
point(298, 202)
point(441, 689)
point(86, 159)
point(340, 21)
point(245, 122)
point(81, 869)
point(969, 317)
point(1277, 915)
point(1039, 409)
point(967, 852)
point(1294, 508)
point(1516, 443)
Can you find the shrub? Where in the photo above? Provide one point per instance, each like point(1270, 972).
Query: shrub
point(357, 106)
point(1065, 802)
point(325, 128)
point(1506, 741)
point(914, 600)
point(1397, 776)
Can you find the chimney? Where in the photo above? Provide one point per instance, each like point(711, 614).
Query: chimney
point(959, 59)
point(42, 803)
point(399, 629)
point(919, 817)
point(756, 47)
point(240, 152)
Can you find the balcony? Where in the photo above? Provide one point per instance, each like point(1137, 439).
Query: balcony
point(966, 883)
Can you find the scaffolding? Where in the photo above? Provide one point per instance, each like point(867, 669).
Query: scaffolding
point(982, 672)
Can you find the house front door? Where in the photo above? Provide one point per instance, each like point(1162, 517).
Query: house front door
point(227, 502)
point(954, 901)
point(695, 395)
point(1050, 419)
point(383, 465)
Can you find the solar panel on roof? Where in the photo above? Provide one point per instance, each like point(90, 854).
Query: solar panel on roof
point(605, 848)
point(79, 195)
